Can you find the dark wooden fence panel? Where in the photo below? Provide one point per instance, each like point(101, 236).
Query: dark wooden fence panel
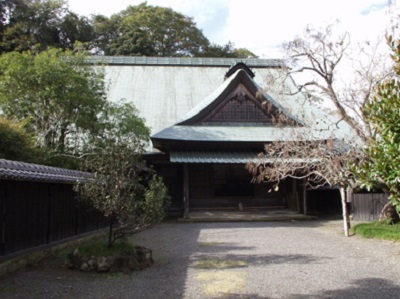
point(63, 212)
point(368, 206)
point(34, 214)
point(25, 220)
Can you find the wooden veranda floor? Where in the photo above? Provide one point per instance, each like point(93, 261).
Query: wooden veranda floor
point(245, 216)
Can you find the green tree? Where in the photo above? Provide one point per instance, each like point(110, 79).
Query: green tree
point(149, 31)
point(55, 93)
point(39, 24)
point(228, 51)
point(382, 164)
point(15, 143)
point(123, 189)
point(30, 24)
point(3, 15)
point(73, 29)
point(120, 121)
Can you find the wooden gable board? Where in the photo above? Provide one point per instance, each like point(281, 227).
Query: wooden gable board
point(240, 102)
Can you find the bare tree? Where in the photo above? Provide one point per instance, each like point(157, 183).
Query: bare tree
point(334, 71)
point(317, 162)
point(321, 57)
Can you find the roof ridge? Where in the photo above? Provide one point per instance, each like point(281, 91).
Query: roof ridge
point(185, 61)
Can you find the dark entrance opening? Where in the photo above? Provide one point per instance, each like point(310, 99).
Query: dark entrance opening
point(232, 180)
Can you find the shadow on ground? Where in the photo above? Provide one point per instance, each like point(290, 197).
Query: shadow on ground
point(362, 288)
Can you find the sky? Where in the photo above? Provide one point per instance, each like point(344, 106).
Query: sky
point(262, 26)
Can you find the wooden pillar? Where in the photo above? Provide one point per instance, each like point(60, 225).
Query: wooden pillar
point(295, 195)
point(346, 221)
point(304, 197)
point(185, 190)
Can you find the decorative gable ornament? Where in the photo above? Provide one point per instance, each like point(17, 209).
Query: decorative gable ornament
point(240, 107)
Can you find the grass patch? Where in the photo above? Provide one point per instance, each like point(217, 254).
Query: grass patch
point(222, 283)
point(101, 249)
point(98, 248)
point(378, 230)
point(220, 264)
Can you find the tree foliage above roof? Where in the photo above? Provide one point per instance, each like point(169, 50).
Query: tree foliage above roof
point(149, 31)
point(141, 30)
point(39, 24)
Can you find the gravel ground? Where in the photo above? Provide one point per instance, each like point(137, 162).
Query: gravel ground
point(232, 260)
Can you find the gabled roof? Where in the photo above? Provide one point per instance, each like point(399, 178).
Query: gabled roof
point(168, 90)
point(240, 76)
point(21, 171)
point(192, 128)
point(165, 89)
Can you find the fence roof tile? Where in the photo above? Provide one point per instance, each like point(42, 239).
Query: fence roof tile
point(14, 170)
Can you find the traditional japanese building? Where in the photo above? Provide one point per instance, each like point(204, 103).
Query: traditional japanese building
point(210, 116)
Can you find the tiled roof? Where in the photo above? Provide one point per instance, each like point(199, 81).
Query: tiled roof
point(238, 133)
point(217, 157)
point(227, 157)
point(167, 91)
point(184, 61)
point(21, 171)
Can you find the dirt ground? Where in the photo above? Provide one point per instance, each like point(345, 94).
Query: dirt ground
point(232, 260)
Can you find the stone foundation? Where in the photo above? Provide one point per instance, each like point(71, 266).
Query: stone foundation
point(136, 259)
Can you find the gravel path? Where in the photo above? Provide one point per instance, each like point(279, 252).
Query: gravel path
point(232, 260)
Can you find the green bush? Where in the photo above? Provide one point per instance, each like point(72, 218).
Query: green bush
point(15, 143)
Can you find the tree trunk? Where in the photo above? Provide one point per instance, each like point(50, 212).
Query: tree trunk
point(389, 213)
point(345, 212)
point(110, 234)
point(61, 139)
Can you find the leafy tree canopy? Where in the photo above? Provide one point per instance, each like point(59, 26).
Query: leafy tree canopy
point(147, 30)
point(142, 30)
point(39, 24)
point(123, 190)
point(61, 101)
point(55, 92)
point(382, 164)
point(228, 50)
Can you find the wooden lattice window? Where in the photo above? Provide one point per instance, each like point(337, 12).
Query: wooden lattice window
point(240, 108)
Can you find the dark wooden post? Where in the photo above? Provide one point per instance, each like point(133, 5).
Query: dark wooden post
point(304, 197)
point(295, 195)
point(185, 190)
